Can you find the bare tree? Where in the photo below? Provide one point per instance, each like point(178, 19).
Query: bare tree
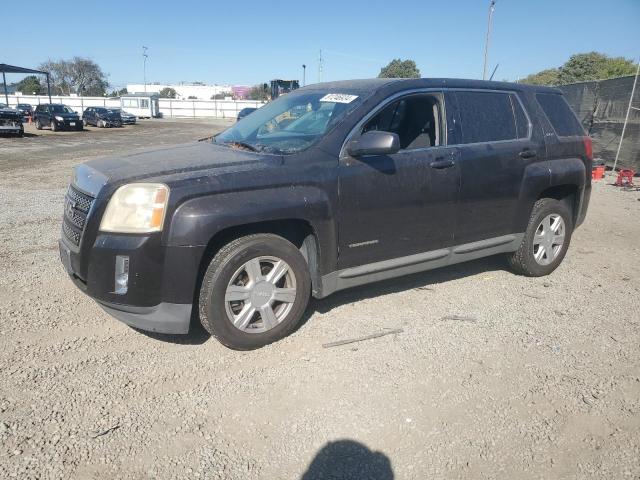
point(78, 75)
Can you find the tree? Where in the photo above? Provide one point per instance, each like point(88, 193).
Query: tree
point(168, 92)
point(545, 77)
point(400, 69)
point(219, 96)
point(259, 92)
point(119, 93)
point(583, 67)
point(30, 85)
point(78, 75)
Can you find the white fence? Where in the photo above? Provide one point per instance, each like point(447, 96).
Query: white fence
point(168, 108)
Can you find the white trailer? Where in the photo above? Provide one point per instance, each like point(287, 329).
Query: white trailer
point(142, 105)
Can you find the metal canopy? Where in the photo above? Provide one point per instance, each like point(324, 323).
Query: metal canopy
point(4, 68)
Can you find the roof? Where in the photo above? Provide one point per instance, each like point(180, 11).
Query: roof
point(372, 84)
point(141, 94)
point(12, 69)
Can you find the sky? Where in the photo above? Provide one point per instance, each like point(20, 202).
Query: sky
point(248, 42)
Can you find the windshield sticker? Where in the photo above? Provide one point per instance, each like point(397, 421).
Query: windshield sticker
point(338, 98)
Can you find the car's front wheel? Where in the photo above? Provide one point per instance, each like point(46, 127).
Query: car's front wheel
point(254, 291)
point(54, 126)
point(546, 239)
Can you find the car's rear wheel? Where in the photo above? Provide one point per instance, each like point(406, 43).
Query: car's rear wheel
point(254, 291)
point(546, 239)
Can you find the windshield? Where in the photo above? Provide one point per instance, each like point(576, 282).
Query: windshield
point(61, 109)
point(291, 123)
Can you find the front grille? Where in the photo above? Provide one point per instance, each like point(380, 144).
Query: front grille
point(76, 209)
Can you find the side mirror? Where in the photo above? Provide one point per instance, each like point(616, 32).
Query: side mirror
point(374, 143)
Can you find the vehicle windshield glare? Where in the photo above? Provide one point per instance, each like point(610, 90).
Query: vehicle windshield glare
point(291, 123)
point(61, 109)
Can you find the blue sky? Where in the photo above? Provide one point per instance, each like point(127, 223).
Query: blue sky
point(247, 42)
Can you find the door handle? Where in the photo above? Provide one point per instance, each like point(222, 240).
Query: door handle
point(442, 164)
point(528, 153)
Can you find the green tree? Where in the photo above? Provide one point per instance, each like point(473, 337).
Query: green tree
point(545, 77)
point(30, 85)
point(583, 67)
point(259, 92)
point(400, 69)
point(168, 92)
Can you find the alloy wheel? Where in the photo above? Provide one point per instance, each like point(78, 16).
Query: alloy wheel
point(260, 294)
point(548, 239)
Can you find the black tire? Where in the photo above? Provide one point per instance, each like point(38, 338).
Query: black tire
point(522, 261)
point(212, 306)
point(21, 132)
point(85, 123)
point(38, 124)
point(54, 127)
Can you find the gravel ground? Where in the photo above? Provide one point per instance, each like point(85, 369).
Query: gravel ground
point(494, 376)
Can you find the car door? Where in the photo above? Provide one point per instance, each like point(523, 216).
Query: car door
point(397, 205)
point(494, 139)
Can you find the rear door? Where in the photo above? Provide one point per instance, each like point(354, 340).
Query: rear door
point(398, 205)
point(494, 139)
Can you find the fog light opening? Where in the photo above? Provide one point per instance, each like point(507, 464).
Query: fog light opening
point(122, 275)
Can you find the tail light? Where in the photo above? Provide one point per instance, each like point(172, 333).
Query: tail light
point(588, 147)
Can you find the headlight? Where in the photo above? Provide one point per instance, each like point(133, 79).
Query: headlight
point(60, 119)
point(136, 208)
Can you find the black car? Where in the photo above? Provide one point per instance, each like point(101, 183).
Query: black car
point(127, 118)
point(56, 116)
point(101, 117)
point(328, 187)
point(245, 111)
point(10, 121)
point(25, 109)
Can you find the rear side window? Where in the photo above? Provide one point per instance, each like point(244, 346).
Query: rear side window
point(559, 113)
point(486, 117)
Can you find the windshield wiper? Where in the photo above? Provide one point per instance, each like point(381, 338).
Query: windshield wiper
point(243, 145)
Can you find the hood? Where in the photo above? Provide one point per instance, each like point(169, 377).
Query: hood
point(169, 161)
point(9, 111)
point(65, 115)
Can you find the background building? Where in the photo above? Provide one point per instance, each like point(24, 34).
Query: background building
point(184, 91)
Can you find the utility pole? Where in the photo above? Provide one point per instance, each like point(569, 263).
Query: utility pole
point(320, 67)
point(144, 62)
point(304, 74)
point(492, 7)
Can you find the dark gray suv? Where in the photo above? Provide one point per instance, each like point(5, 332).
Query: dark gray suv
point(331, 186)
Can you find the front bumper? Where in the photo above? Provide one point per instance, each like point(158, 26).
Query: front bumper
point(161, 285)
point(69, 124)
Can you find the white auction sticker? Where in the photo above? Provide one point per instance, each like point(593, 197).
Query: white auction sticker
point(338, 98)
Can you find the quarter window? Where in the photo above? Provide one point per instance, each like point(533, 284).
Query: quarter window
point(486, 117)
point(560, 115)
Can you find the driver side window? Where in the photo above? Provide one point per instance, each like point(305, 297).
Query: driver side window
point(416, 119)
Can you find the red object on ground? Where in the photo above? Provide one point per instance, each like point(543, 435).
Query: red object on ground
point(598, 172)
point(625, 178)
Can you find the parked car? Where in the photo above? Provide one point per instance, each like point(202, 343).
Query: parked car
point(127, 118)
point(245, 111)
point(25, 109)
point(10, 121)
point(56, 116)
point(367, 180)
point(101, 117)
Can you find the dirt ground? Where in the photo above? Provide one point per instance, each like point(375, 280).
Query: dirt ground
point(535, 378)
